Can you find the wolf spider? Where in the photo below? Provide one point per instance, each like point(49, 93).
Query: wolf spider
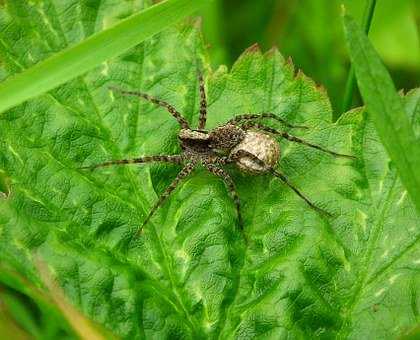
point(242, 141)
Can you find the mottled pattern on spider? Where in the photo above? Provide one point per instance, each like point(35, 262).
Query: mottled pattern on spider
point(242, 141)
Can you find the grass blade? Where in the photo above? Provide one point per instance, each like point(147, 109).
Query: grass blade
point(386, 108)
point(94, 50)
point(351, 79)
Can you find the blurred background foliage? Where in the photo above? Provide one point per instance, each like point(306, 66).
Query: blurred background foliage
point(311, 33)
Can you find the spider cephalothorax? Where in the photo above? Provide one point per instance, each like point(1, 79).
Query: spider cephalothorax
point(242, 141)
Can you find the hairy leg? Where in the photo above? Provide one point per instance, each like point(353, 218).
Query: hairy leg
point(203, 103)
point(291, 138)
point(252, 116)
point(176, 159)
point(162, 198)
point(181, 120)
point(278, 174)
point(285, 180)
point(214, 169)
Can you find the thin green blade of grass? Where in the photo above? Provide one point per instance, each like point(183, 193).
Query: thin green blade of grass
point(351, 79)
point(93, 51)
point(385, 106)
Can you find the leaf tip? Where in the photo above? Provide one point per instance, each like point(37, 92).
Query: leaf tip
point(300, 74)
point(253, 49)
point(290, 65)
point(272, 51)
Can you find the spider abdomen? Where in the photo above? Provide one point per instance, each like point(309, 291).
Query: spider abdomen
point(260, 145)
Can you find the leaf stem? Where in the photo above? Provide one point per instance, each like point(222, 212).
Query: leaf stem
point(351, 79)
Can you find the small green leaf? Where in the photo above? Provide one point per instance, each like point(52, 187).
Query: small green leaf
point(385, 106)
point(80, 58)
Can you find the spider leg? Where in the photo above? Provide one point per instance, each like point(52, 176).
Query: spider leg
point(181, 175)
point(176, 159)
point(285, 180)
point(223, 160)
point(181, 120)
point(278, 174)
point(252, 116)
point(291, 138)
point(203, 103)
point(219, 172)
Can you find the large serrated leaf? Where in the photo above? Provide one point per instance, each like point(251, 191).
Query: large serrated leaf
point(190, 274)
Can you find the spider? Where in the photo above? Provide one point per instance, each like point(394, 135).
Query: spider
point(242, 141)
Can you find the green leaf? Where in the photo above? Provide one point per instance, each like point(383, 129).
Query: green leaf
point(386, 108)
point(84, 56)
point(190, 275)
